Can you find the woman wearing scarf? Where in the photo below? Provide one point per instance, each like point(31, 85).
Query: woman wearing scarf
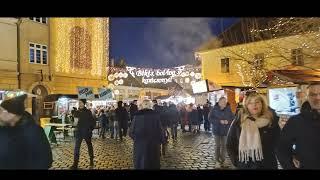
point(253, 135)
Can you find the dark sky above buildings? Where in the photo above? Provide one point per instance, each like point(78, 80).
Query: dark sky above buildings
point(162, 42)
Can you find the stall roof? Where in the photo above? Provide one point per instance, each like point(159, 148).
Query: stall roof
point(299, 76)
point(55, 97)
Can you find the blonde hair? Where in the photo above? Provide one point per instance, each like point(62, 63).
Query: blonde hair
point(146, 104)
point(265, 112)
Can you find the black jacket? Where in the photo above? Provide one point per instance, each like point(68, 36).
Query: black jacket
point(122, 117)
point(173, 116)
point(24, 146)
point(133, 110)
point(269, 136)
point(86, 122)
point(146, 133)
point(303, 130)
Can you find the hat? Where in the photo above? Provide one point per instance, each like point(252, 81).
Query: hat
point(84, 101)
point(15, 105)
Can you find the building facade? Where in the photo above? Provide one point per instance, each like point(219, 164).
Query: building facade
point(45, 56)
point(8, 54)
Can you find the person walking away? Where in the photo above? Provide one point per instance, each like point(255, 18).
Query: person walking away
point(174, 119)
point(206, 111)
point(23, 143)
point(122, 118)
point(200, 114)
point(221, 116)
point(253, 136)
point(302, 131)
point(103, 122)
point(194, 118)
point(85, 126)
point(145, 130)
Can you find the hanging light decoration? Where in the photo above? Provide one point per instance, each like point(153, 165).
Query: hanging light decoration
point(187, 80)
point(125, 75)
point(111, 77)
point(192, 74)
point(198, 76)
point(120, 81)
point(116, 82)
point(111, 86)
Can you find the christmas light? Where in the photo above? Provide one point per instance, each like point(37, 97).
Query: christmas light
point(81, 45)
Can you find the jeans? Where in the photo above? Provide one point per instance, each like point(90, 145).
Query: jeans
point(220, 148)
point(103, 131)
point(122, 132)
point(115, 129)
point(206, 125)
point(79, 139)
point(174, 131)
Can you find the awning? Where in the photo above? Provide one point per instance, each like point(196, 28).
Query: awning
point(55, 97)
point(299, 76)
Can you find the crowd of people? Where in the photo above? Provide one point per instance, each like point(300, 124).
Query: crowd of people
point(254, 137)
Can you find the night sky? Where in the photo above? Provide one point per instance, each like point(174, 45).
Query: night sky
point(162, 42)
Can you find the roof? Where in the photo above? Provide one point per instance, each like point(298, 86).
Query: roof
point(242, 31)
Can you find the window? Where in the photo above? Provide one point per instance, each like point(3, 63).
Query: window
point(38, 54)
point(225, 65)
point(259, 60)
point(31, 52)
point(42, 20)
point(297, 57)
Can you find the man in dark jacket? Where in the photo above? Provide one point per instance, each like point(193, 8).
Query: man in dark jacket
point(23, 143)
point(133, 109)
point(174, 120)
point(303, 131)
point(122, 116)
point(85, 126)
point(146, 132)
point(206, 111)
point(221, 117)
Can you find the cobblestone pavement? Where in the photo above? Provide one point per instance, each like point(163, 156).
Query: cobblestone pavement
point(189, 152)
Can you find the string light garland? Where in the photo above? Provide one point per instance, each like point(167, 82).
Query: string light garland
point(80, 45)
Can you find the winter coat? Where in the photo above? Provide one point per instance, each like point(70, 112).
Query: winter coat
point(122, 117)
point(133, 110)
point(200, 115)
point(218, 114)
point(194, 117)
point(146, 133)
point(184, 116)
point(173, 116)
point(103, 120)
point(269, 137)
point(24, 146)
point(86, 123)
point(303, 130)
point(206, 111)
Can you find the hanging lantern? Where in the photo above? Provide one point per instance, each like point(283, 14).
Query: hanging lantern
point(187, 80)
point(198, 76)
point(111, 77)
point(116, 75)
point(192, 74)
point(120, 75)
point(120, 81)
point(125, 75)
point(111, 86)
point(116, 82)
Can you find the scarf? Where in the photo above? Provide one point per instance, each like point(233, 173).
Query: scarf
point(250, 146)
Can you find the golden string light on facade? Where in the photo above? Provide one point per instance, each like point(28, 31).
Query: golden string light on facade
point(80, 45)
